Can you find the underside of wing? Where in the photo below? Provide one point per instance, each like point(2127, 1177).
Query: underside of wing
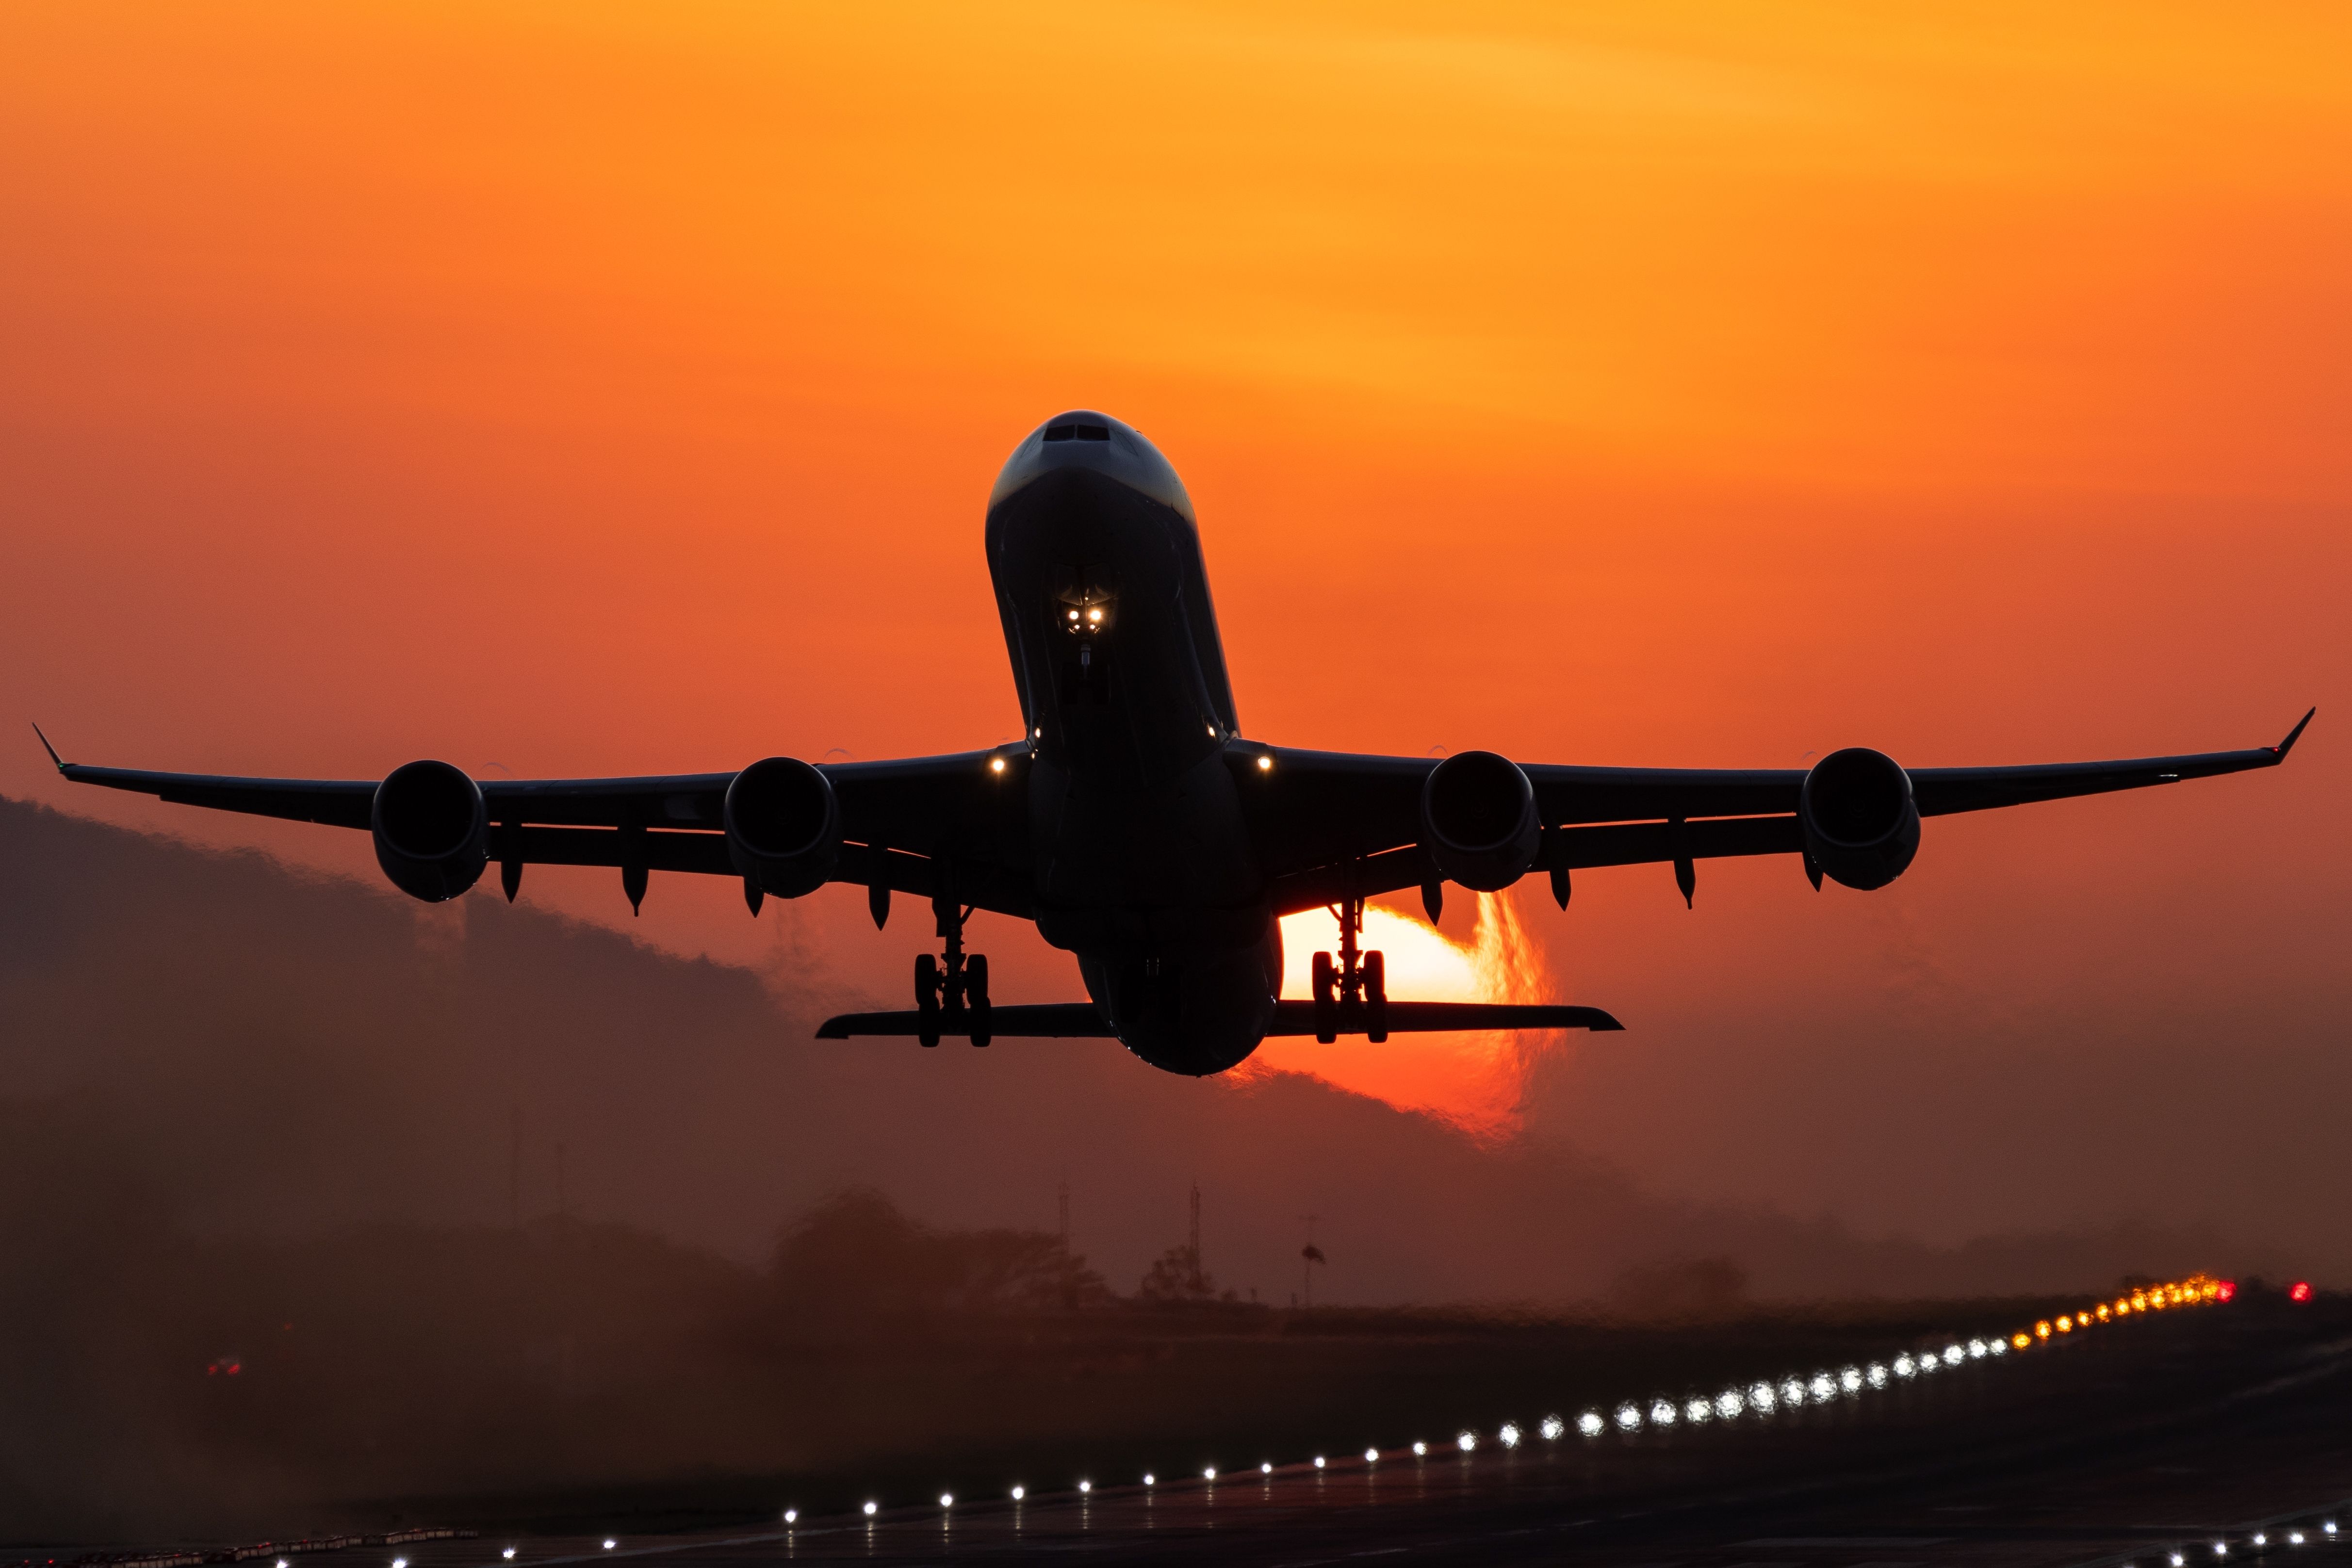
point(937, 827)
point(1331, 827)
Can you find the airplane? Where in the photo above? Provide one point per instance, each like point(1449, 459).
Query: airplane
point(1135, 823)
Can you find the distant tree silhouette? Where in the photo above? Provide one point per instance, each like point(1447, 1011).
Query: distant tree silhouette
point(855, 1257)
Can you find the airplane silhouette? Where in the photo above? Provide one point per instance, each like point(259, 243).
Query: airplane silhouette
point(1134, 823)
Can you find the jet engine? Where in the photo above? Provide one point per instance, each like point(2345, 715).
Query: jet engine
point(432, 834)
point(1478, 820)
point(783, 826)
point(1860, 825)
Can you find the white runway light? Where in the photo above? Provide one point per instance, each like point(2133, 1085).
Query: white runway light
point(1728, 1404)
point(1265, 1468)
point(1589, 1424)
point(1905, 1366)
point(1698, 1411)
point(947, 1500)
point(872, 1509)
point(1371, 1456)
point(1551, 1428)
point(1509, 1436)
point(791, 1516)
point(1850, 1380)
point(1762, 1397)
point(1319, 1461)
point(1874, 1375)
point(1976, 1349)
point(1209, 1474)
point(1954, 1355)
point(1823, 1388)
point(1792, 1392)
point(1662, 1413)
point(1148, 1478)
point(1628, 1418)
point(1020, 1493)
point(1419, 1449)
point(1466, 1441)
point(1085, 1486)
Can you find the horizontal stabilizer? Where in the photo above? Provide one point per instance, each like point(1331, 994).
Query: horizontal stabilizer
point(1081, 1021)
point(1044, 1021)
point(1443, 1017)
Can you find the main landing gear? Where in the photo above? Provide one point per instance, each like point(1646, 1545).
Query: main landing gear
point(1354, 993)
point(951, 990)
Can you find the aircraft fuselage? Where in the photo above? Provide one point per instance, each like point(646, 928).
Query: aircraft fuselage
point(1143, 864)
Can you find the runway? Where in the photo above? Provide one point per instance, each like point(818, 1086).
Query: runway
point(2171, 1435)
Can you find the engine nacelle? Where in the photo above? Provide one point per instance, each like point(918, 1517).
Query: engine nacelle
point(1478, 820)
point(431, 833)
point(1860, 825)
point(783, 826)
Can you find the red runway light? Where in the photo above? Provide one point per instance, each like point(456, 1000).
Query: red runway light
point(2229, 1289)
point(2299, 1292)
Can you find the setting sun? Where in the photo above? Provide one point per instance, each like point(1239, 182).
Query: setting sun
point(1473, 1080)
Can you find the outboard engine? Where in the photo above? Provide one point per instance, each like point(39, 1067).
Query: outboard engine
point(783, 826)
point(431, 833)
point(1478, 820)
point(1860, 825)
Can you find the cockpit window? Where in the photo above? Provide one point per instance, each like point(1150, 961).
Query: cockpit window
point(1078, 432)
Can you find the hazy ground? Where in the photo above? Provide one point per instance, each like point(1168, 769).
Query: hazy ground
point(482, 1202)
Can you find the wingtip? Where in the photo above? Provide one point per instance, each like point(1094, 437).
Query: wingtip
point(59, 760)
point(2283, 748)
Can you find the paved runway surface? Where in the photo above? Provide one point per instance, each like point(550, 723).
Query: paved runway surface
point(2165, 1436)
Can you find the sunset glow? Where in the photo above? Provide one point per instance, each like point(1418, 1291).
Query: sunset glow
point(1473, 1081)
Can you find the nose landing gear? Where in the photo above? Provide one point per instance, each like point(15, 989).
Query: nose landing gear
point(951, 990)
point(1353, 994)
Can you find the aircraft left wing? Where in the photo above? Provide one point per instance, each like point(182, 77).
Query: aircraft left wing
point(921, 826)
point(1331, 825)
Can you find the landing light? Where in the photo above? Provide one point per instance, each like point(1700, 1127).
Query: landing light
point(1085, 1486)
point(1020, 1493)
point(1094, 614)
point(1266, 765)
point(1148, 1477)
point(1210, 1474)
point(1371, 1456)
point(1265, 1468)
point(996, 765)
point(1319, 1461)
point(872, 1509)
point(791, 1516)
point(1420, 1449)
point(947, 1500)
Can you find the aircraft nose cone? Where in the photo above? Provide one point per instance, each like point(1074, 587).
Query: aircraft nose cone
point(1082, 438)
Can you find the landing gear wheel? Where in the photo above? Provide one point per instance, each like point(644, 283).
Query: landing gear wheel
point(975, 995)
point(1326, 999)
point(926, 998)
point(1376, 996)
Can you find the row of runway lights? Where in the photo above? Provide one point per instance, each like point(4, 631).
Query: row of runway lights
point(1763, 1398)
point(1759, 1398)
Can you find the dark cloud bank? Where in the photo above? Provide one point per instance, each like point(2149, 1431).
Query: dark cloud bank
point(291, 1124)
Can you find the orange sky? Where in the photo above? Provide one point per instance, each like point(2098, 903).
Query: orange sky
point(586, 391)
